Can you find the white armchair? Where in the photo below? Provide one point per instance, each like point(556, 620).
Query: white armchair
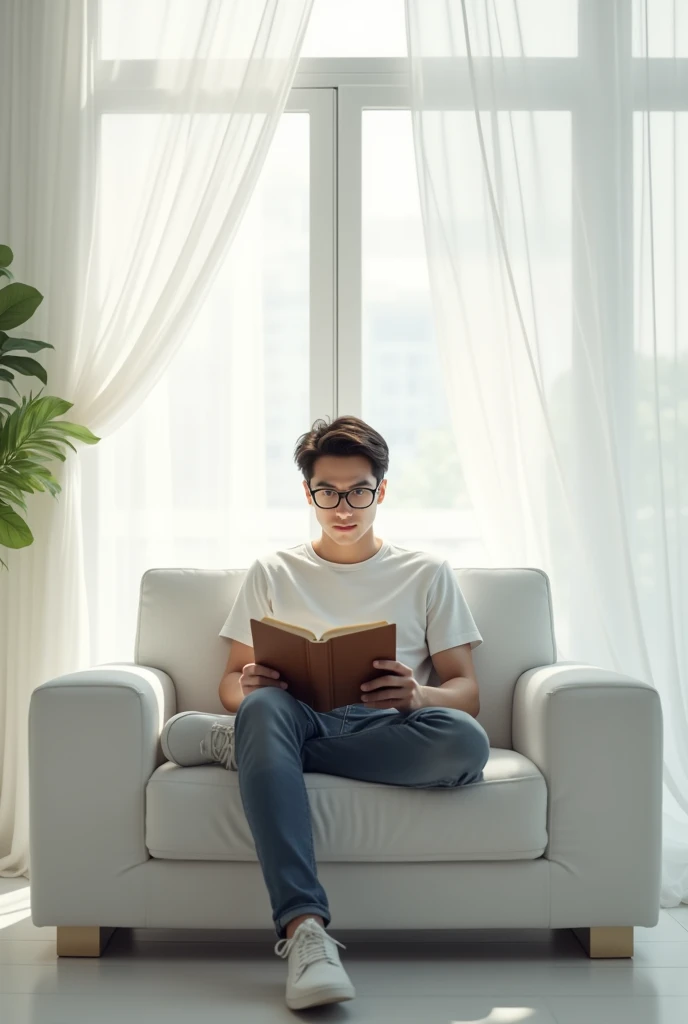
point(564, 831)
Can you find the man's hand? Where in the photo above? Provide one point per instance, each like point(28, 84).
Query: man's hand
point(397, 690)
point(252, 676)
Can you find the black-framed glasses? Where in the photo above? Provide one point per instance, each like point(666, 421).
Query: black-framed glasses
point(357, 497)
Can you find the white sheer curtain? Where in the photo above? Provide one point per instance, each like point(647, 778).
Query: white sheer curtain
point(555, 211)
point(223, 70)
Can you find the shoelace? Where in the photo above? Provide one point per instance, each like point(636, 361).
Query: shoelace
point(312, 944)
point(221, 744)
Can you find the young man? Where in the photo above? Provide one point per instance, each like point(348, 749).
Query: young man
point(415, 726)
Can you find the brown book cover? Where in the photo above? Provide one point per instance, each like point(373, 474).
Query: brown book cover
point(324, 672)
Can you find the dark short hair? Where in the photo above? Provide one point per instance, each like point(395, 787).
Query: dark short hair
point(347, 435)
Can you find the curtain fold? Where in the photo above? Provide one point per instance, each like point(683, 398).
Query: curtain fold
point(553, 203)
point(223, 69)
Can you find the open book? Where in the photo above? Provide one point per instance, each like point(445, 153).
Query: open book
point(324, 672)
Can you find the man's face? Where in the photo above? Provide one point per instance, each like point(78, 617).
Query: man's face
point(340, 473)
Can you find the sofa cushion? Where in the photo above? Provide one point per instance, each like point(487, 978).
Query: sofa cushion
point(197, 814)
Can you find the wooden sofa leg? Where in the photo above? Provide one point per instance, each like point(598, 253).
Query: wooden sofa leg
point(605, 942)
point(77, 941)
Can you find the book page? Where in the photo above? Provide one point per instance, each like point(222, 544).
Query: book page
point(290, 628)
point(327, 635)
point(343, 630)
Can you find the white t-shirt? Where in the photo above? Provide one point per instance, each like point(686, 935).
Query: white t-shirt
point(416, 590)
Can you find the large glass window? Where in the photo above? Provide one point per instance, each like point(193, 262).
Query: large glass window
point(323, 305)
point(403, 393)
point(426, 503)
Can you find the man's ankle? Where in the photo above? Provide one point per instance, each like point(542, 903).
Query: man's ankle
point(292, 925)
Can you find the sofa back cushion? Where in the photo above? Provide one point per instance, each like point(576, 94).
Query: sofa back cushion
point(181, 612)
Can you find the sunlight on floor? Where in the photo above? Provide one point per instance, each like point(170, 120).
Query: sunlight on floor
point(502, 1015)
point(15, 906)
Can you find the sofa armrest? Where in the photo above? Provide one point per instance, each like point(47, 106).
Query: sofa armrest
point(597, 738)
point(94, 742)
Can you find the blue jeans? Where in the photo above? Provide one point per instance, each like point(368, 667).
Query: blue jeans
point(278, 738)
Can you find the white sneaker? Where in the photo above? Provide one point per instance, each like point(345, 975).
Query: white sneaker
point(194, 738)
point(218, 744)
point(316, 975)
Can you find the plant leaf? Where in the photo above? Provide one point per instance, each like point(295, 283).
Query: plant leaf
point(47, 408)
point(22, 344)
point(14, 532)
point(9, 377)
point(43, 479)
point(51, 448)
point(8, 492)
point(26, 365)
point(75, 430)
point(57, 438)
point(8, 475)
point(29, 437)
point(6, 255)
point(18, 302)
point(30, 481)
point(4, 272)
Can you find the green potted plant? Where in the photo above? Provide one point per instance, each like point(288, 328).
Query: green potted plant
point(30, 436)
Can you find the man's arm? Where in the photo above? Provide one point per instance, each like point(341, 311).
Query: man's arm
point(230, 691)
point(459, 687)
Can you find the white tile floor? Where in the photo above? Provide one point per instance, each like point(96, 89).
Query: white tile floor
point(481, 978)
